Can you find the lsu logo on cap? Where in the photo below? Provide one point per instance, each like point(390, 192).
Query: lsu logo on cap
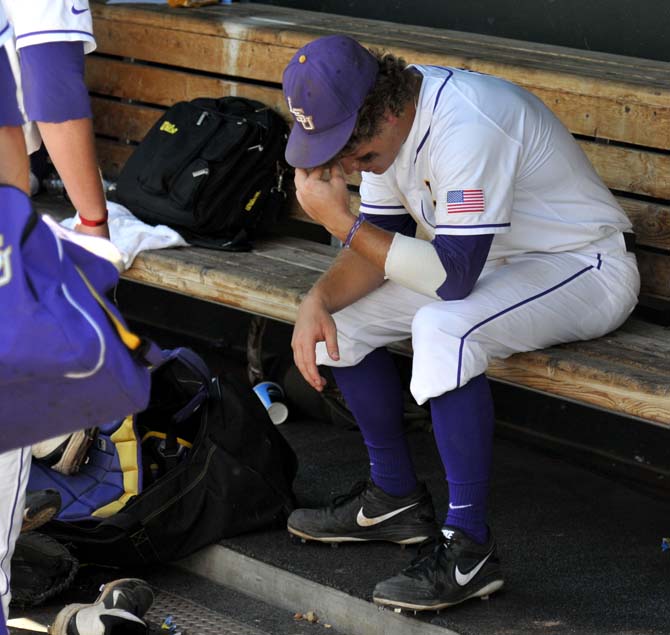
point(304, 120)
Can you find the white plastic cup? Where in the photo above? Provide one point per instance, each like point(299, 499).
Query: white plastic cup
point(271, 395)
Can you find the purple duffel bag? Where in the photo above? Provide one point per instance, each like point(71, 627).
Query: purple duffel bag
point(67, 360)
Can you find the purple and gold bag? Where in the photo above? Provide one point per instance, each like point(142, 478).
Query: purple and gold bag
point(67, 360)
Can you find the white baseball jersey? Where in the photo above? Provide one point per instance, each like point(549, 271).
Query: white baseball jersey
point(486, 156)
point(39, 21)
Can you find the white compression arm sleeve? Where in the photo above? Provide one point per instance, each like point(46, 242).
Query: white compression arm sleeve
point(414, 264)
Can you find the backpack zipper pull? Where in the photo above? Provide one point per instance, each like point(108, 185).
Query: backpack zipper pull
point(203, 116)
point(280, 181)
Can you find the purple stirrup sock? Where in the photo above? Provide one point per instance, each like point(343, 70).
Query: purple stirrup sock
point(53, 82)
point(373, 392)
point(10, 114)
point(463, 423)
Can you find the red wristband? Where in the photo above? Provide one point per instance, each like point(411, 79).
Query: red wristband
point(93, 223)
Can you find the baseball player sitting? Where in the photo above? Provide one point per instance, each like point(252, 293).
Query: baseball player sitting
point(526, 250)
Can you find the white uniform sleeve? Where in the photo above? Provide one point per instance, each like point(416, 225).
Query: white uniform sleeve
point(475, 168)
point(41, 21)
point(379, 197)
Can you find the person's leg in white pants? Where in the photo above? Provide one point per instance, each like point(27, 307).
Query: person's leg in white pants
point(14, 472)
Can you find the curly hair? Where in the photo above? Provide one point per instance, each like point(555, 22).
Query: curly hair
point(393, 89)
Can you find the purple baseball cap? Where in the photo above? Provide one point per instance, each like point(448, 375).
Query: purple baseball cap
point(325, 85)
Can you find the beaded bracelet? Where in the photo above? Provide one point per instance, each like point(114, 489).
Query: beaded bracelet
point(354, 228)
point(93, 223)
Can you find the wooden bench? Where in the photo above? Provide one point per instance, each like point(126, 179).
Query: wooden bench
point(149, 57)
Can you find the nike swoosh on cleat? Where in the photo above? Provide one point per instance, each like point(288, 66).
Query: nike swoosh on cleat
point(364, 521)
point(463, 578)
point(116, 596)
point(78, 11)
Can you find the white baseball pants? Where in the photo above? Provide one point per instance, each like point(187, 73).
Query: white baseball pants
point(528, 302)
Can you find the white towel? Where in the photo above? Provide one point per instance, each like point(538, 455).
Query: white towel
point(130, 235)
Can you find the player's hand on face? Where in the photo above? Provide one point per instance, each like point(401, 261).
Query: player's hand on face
point(322, 193)
point(101, 230)
point(313, 324)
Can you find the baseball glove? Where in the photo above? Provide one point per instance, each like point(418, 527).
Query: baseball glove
point(41, 568)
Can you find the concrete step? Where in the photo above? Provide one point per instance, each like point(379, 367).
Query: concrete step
point(347, 613)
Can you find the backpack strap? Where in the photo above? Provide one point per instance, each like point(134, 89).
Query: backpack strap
point(142, 348)
point(188, 358)
point(192, 361)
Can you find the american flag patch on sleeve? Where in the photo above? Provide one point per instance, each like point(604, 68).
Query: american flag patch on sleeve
point(465, 201)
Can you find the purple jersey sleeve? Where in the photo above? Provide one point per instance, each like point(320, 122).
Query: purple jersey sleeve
point(54, 89)
point(10, 115)
point(463, 258)
point(400, 223)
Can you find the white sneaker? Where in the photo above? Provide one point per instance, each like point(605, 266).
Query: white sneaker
point(118, 610)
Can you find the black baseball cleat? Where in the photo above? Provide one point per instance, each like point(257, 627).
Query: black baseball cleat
point(368, 513)
point(455, 570)
point(118, 610)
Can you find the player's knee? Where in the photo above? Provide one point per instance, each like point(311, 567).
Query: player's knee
point(53, 82)
point(432, 323)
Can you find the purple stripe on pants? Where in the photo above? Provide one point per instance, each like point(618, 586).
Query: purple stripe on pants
point(510, 308)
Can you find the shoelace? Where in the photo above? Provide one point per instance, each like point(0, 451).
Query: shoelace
point(357, 489)
point(428, 556)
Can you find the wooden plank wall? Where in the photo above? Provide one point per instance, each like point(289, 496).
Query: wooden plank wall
point(619, 108)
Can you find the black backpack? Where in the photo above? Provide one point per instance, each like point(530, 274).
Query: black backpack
point(220, 468)
point(212, 169)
